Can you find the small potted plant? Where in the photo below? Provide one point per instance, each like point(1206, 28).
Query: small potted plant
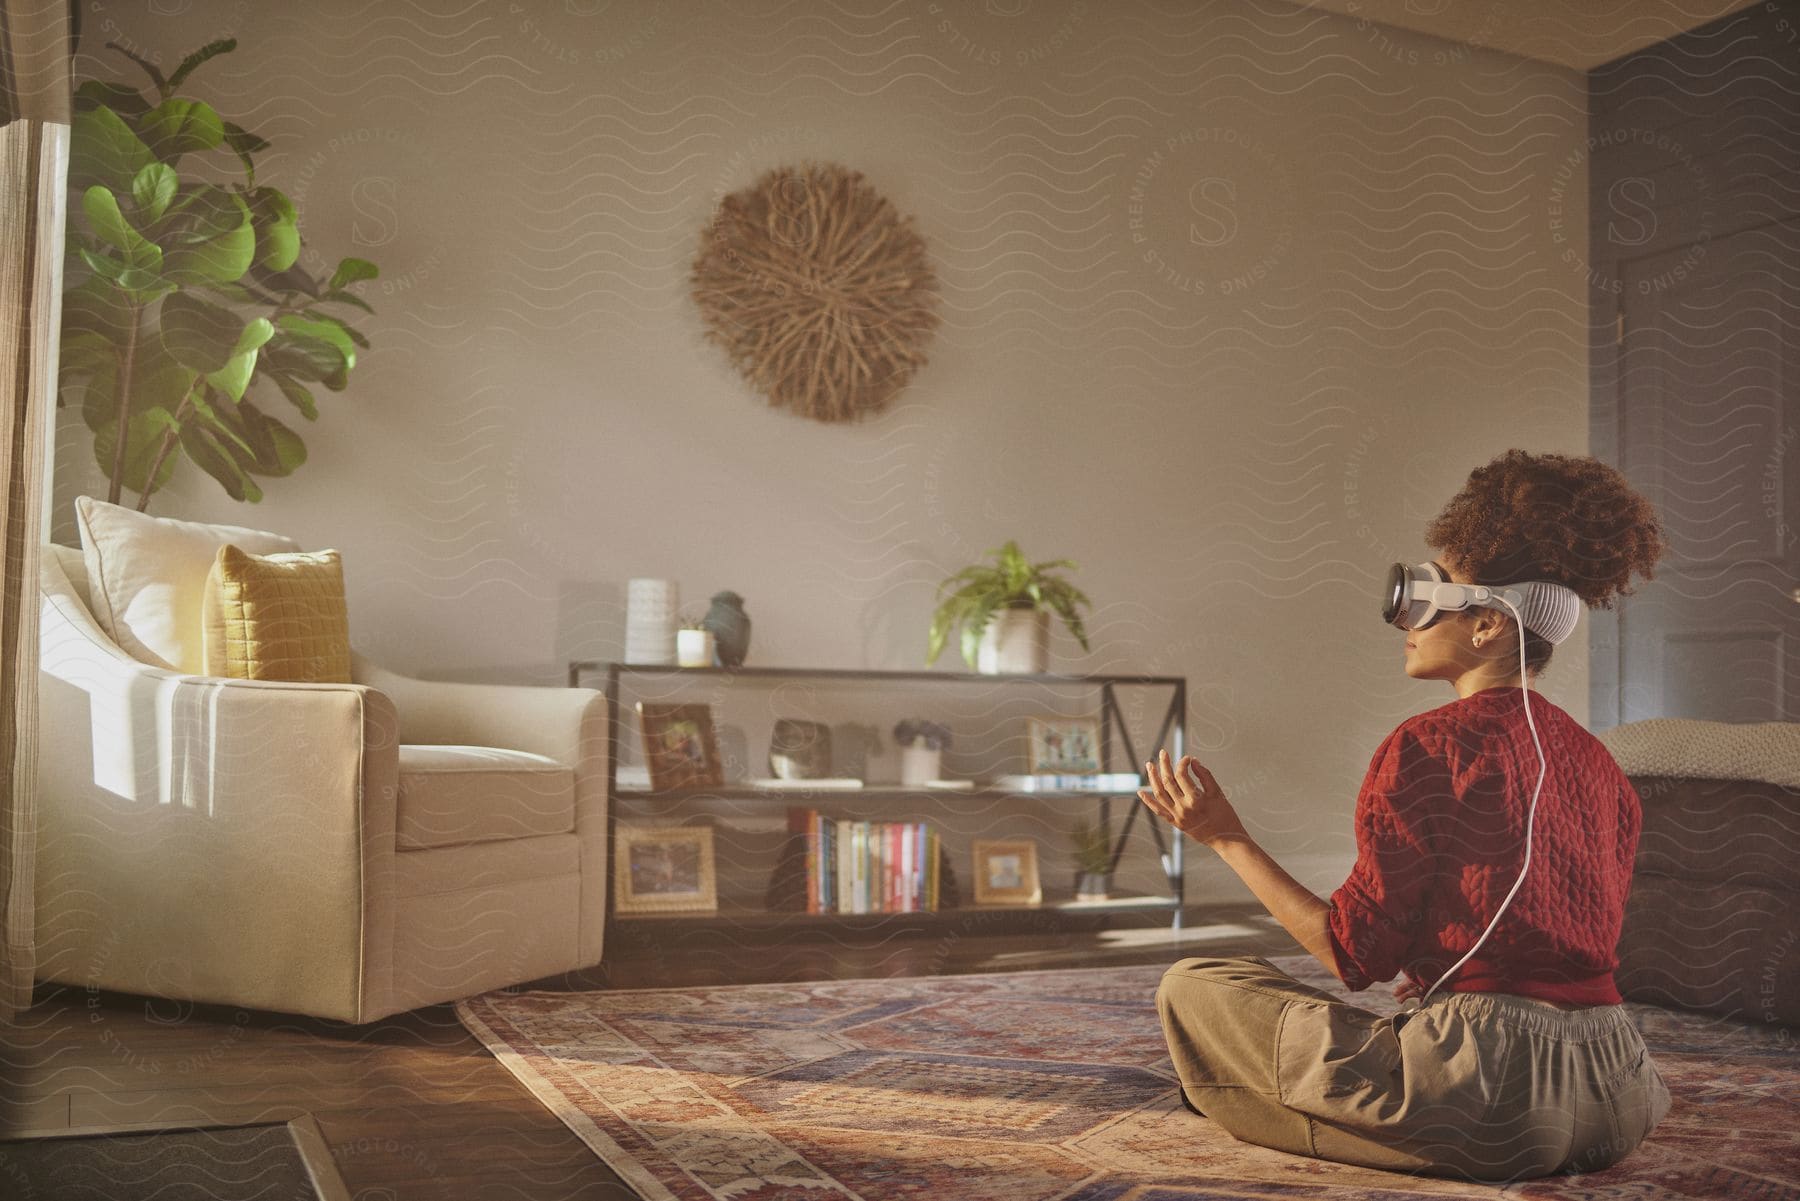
point(921, 746)
point(1093, 862)
point(1004, 611)
point(694, 642)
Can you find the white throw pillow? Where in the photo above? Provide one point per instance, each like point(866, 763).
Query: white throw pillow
point(147, 578)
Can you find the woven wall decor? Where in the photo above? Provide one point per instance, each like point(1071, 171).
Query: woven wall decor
point(821, 293)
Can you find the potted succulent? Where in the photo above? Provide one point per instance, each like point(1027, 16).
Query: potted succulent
point(921, 746)
point(1093, 862)
point(1004, 610)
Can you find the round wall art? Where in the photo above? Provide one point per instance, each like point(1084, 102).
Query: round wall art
point(821, 293)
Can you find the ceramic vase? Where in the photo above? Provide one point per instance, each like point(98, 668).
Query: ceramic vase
point(1015, 641)
point(919, 763)
point(730, 626)
point(650, 620)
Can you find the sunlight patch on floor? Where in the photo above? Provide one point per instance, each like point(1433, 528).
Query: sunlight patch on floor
point(1151, 936)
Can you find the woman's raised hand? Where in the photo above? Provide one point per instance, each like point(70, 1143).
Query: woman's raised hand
point(1186, 796)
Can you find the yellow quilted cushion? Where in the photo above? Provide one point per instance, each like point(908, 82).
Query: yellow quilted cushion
point(277, 617)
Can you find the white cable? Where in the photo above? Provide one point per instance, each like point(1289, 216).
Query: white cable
point(1543, 769)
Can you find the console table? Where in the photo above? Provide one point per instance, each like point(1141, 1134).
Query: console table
point(907, 802)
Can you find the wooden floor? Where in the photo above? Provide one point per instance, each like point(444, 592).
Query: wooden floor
point(414, 1107)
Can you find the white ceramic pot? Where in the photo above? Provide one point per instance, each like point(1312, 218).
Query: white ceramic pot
point(650, 607)
point(694, 648)
point(1015, 641)
point(919, 764)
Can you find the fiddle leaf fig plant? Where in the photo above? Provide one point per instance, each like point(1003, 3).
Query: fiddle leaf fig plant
point(186, 308)
point(976, 594)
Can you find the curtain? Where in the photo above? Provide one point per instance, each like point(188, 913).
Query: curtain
point(34, 155)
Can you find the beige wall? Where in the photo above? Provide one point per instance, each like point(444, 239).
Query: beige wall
point(1234, 300)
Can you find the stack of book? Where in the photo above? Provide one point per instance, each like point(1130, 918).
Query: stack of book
point(867, 867)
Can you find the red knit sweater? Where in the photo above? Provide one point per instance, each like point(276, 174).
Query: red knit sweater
point(1440, 838)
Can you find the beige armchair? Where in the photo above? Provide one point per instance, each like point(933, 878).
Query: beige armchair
point(341, 850)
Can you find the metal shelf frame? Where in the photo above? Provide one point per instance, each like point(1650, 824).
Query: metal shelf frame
point(1171, 733)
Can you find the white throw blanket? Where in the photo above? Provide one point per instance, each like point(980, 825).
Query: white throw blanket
point(1710, 750)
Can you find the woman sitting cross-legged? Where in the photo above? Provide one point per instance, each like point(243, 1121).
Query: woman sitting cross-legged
point(1494, 878)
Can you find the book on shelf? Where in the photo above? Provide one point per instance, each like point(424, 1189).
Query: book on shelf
point(838, 865)
point(1112, 781)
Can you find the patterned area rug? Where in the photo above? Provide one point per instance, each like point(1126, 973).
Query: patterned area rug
point(1033, 1086)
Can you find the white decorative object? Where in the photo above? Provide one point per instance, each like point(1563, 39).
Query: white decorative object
point(650, 620)
point(1016, 641)
point(694, 648)
point(919, 764)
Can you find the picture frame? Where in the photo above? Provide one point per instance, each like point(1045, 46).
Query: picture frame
point(680, 746)
point(664, 869)
point(1006, 872)
point(1065, 746)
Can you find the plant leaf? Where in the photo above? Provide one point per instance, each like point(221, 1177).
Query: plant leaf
point(294, 279)
point(150, 68)
point(226, 244)
point(342, 297)
point(234, 377)
point(207, 455)
point(144, 437)
point(141, 284)
point(95, 306)
point(245, 144)
point(296, 393)
point(180, 126)
point(974, 626)
point(199, 334)
point(88, 354)
point(102, 209)
point(151, 190)
point(1073, 619)
point(323, 329)
point(199, 56)
point(279, 450)
point(116, 96)
point(350, 331)
point(349, 271)
point(103, 149)
point(209, 416)
point(277, 228)
point(232, 292)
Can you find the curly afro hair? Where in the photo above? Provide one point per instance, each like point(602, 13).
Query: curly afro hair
point(1572, 520)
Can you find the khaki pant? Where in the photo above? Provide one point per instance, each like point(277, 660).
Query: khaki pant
point(1484, 1086)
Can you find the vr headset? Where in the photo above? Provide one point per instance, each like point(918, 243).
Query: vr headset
point(1418, 595)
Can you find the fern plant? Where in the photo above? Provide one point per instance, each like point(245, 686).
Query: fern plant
point(975, 595)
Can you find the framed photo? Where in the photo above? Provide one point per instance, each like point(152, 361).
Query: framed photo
point(1068, 746)
point(680, 748)
point(1006, 873)
point(664, 869)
